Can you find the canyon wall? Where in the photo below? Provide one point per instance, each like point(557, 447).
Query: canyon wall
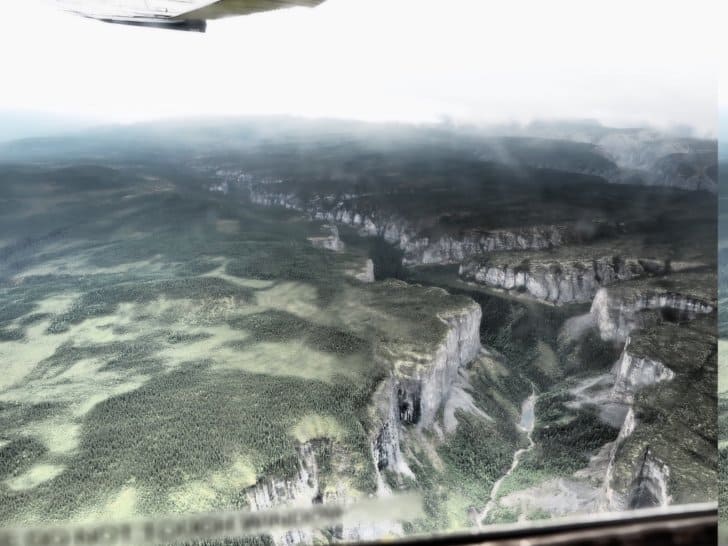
point(557, 281)
point(633, 372)
point(420, 249)
point(616, 315)
point(415, 391)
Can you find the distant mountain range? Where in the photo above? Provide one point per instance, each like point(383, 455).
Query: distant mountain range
point(20, 125)
point(638, 156)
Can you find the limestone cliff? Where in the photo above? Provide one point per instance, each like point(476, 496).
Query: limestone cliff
point(617, 314)
point(366, 273)
point(419, 248)
point(557, 281)
point(416, 390)
point(633, 372)
point(329, 239)
point(300, 489)
point(615, 497)
point(660, 366)
point(648, 486)
point(304, 488)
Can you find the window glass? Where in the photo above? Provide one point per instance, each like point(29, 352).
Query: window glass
point(332, 254)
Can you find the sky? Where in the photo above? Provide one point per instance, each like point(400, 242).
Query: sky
point(624, 63)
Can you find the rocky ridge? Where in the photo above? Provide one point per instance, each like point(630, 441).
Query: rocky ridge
point(557, 281)
point(633, 372)
point(616, 314)
point(419, 249)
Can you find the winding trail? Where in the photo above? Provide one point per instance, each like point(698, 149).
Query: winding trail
point(528, 420)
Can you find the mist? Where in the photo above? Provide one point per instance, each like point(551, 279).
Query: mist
point(374, 60)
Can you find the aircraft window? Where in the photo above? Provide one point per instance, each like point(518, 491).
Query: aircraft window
point(438, 271)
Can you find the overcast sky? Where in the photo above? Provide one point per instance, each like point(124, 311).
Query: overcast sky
point(624, 62)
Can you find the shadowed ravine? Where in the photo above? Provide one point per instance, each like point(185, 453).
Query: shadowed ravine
point(528, 420)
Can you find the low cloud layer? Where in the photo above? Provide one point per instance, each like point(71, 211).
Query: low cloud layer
point(621, 62)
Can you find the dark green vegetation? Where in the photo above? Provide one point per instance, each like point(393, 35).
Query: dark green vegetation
point(565, 438)
point(18, 455)
point(475, 460)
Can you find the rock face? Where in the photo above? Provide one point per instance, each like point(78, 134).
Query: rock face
point(634, 372)
point(386, 450)
point(303, 485)
point(366, 274)
point(616, 500)
point(415, 392)
point(649, 487)
point(616, 316)
point(649, 484)
point(329, 241)
point(303, 488)
point(461, 345)
point(664, 373)
point(572, 281)
point(421, 249)
point(453, 250)
point(299, 490)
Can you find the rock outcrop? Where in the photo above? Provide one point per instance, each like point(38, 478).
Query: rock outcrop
point(650, 485)
point(633, 372)
point(557, 281)
point(616, 315)
point(415, 392)
point(615, 498)
point(366, 273)
point(417, 247)
point(660, 365)
point(448, 249)
point(330, 240)
point(300, 489)
point(303, 488)
point(411, 396)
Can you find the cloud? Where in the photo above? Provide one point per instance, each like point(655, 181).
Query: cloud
point(621, 62)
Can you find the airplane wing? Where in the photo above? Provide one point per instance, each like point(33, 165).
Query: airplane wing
point(174, 14)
